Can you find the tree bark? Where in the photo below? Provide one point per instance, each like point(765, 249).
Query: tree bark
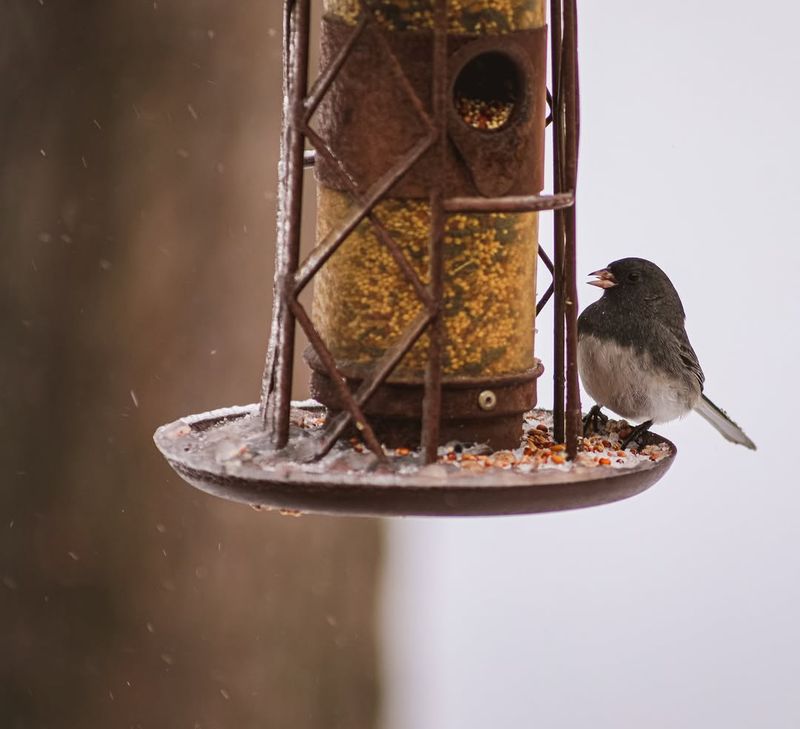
point(139, 143)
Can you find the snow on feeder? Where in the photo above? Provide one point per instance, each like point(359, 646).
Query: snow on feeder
point(427, 124)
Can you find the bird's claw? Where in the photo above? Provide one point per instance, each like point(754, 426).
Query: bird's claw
point(593, 420)
point(637, 434)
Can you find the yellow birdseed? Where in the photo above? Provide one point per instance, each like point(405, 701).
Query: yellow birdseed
point(464, 16)
point(482, 114)
point(362, 302)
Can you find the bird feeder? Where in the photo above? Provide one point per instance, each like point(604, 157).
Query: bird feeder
point(426, 132)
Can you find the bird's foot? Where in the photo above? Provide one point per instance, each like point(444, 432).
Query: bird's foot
point(594, 419)
point(636, 434)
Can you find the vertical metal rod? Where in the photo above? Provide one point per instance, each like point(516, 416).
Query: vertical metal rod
point(572, 136)
point(276, 391)
point(269, 380)
point(432, 404)
point(558, 227)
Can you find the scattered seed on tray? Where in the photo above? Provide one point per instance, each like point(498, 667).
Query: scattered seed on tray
point(537, 450)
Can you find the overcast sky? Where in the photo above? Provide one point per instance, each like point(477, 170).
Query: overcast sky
point(678, 608)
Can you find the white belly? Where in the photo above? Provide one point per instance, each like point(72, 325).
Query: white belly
point(627, 383)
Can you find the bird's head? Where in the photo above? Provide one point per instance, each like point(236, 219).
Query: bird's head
point(635, 279)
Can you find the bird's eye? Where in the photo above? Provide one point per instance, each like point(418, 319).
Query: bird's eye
point(633, 276)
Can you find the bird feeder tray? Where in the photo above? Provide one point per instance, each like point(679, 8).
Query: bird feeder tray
point(226, 453)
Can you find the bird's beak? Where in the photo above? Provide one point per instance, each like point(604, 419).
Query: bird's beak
point(605, 279)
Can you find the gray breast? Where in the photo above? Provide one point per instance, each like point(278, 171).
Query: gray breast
point(630, 384)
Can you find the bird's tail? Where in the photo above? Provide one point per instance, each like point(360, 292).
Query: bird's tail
point(720, 420)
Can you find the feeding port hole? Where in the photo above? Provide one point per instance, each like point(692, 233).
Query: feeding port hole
point(487, 91)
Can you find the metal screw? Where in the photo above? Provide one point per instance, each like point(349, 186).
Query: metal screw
point(487, 400)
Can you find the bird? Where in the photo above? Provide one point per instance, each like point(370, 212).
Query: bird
point(635, 358)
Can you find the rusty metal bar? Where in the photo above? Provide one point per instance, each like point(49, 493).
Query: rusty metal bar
point(559, 354)
point(383, 368)
point(328, 75)
point(383, 234)
point(432, 404)
point(509, 204)
point(361, 423)
point(309, 158)
point(548, 294)
point(571, 112)
point(327, 247)
point(546, 259)
point(276, 388)
point(401, 260)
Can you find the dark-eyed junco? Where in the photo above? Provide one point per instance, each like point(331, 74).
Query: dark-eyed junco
point(634, 356)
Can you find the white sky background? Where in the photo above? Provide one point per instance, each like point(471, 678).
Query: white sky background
point(680, 607)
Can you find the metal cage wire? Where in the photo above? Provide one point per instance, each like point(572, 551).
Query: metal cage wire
point(292, 275)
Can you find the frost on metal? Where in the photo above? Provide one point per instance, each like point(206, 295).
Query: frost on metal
point(239, 444)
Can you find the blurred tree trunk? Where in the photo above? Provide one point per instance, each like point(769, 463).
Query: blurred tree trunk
point(138, 143)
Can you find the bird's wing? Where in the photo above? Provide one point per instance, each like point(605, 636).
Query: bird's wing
point(688, 356)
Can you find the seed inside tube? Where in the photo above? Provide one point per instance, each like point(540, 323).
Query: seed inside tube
point(363, 303)
point(491, 16)
point(484, 114)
